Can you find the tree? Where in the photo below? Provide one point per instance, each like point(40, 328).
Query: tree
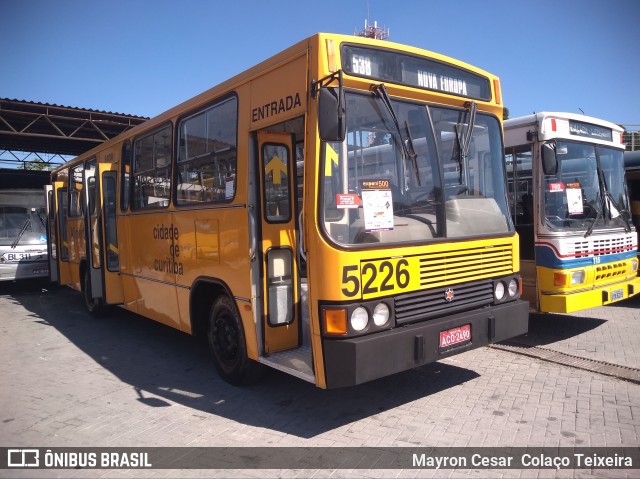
point(505, 113)
point(38, 165)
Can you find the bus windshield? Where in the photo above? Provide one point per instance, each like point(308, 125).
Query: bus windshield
point(22, 218)
point(588, 190)
point(429, 173)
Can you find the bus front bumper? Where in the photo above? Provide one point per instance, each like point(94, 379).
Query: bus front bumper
point(23, 270)
point(569, 303)
point(357, 360)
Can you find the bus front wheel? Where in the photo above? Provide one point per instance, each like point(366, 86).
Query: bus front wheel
point(228, 345)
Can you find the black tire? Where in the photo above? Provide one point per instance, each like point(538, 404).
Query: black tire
point(228, 346)
point(95, 306)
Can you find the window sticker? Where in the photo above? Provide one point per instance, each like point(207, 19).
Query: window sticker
point(574, 199)
point(377, 204)
point(347, 201)
point(556, 187)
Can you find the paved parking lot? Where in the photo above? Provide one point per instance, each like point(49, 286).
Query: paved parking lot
point(70, 380)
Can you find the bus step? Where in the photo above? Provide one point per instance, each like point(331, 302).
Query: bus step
point(297, 362)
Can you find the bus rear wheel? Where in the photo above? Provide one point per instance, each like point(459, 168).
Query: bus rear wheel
point(228, 346)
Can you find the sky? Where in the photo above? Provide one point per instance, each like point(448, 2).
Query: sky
point(142, 57)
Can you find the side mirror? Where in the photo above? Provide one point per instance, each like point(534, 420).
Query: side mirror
point(331, 114)
point(549, 158)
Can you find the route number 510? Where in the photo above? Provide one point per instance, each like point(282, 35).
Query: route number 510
point(375, 278)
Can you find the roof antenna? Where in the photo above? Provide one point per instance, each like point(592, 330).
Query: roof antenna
point(581, 110)
point(372, 31)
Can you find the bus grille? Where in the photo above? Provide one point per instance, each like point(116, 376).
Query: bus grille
point(599, 247)
point(611, 270)
point(428, 304)
point(451, 267)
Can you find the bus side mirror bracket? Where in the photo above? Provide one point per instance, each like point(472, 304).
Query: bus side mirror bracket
point(331, 108)
point(549, 158)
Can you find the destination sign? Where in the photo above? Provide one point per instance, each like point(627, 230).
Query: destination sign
point(579, 128)
point(395, 67)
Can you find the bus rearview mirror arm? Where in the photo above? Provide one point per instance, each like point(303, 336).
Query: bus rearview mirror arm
point(331, 107)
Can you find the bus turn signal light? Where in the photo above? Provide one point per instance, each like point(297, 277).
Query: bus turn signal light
point(559, 279)
point(335, 321)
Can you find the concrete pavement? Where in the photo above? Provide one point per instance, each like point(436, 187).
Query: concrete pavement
point(69, 379)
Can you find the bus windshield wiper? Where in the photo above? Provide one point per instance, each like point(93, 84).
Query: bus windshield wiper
point(608, 197)
point(381, 91)
point(412, 154)
point(44, 223)
point(624, 214)
point(590, 228)
point(464, 140)
point(22, 230)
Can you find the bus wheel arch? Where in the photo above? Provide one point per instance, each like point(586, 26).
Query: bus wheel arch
point(224, 330)
point(204, 293)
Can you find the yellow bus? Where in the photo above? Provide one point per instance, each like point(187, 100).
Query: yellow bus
point(568, 194)
point(338, 212)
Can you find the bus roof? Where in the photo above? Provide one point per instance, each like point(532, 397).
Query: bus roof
point(543, 115)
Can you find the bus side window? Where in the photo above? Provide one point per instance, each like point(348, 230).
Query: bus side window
point(75, 190)
point(125, 185)
point(152, 167)
point(276, 189)
point(207, 155)
point(520, 182)
point(522, 187)
point(111, 235)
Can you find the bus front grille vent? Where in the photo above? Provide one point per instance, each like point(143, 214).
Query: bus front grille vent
point(432, 303)
point(611, 270)
point(600, 247)
point(452, 267)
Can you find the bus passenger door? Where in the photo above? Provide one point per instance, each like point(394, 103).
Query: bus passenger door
point(92, 227)
point(278, 246)
point(52, 236)
point(61, 233)
point(110, 253)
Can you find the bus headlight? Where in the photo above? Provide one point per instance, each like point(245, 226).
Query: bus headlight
point(359, 319)
point(499, 290)
point(569, 278)
point(513, 287)
point(381, 315)
point(634, 265)
point(577, 277)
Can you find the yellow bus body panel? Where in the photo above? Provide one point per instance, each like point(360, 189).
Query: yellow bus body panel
point(604, 284)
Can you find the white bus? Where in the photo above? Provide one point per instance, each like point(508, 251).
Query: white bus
point(23, 231)
point(570, 206)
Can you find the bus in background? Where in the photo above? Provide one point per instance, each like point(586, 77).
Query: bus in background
point(569, 202)
point(632, 171)
point(23, 232)
point(337, 212)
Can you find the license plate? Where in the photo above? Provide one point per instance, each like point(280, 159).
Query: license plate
point(454, 336)
point(617, 294)
point(17, 257)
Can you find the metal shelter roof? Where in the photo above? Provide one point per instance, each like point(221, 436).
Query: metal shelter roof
point(46, 128)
